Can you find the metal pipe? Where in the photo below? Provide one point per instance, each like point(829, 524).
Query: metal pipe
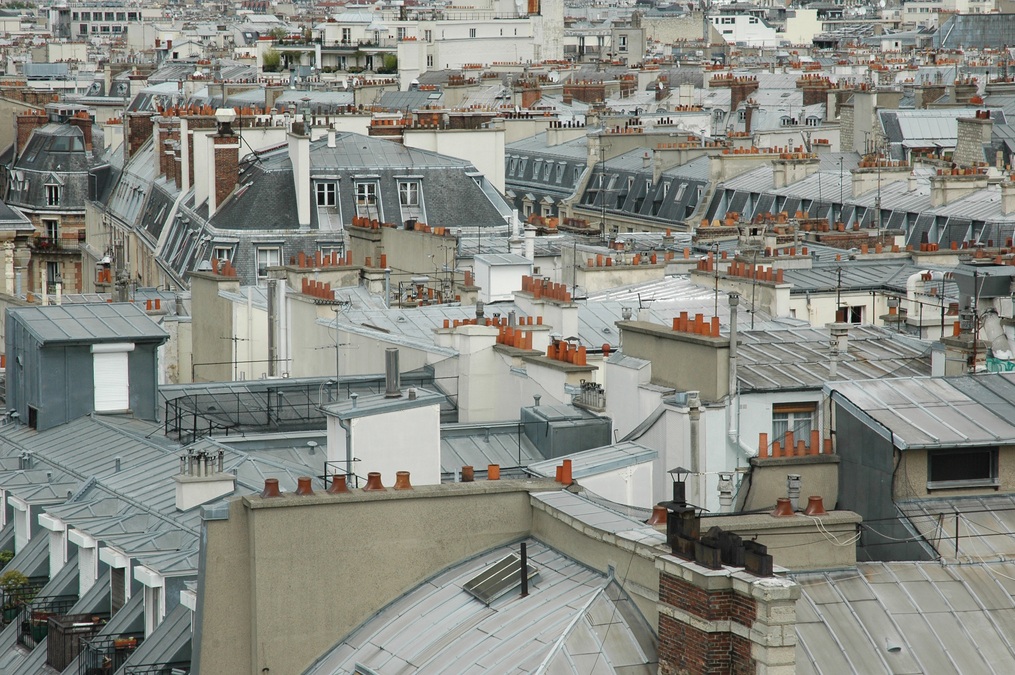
point(525, 569)
point(272, 323)
point(392, 385)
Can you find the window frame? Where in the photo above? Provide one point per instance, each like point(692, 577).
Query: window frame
point(408, 188)
point(993, 481)
point(795, 413)
point(259, 248)
point(52, 194)
point(327, 190)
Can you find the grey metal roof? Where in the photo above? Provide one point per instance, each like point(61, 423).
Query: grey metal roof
point(439, 628)
point(479, 445)
point(943, 618)
point(377, 404)
point(169, 643)
point(939, 412)
point(110, 322)
point(860, 275)
point(502, 259)
point(599, 460)
point(985, 526)
point(798, 358)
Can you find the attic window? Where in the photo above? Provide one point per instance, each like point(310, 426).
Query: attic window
point(499, 579)
point(962, 468)
point(52, 195)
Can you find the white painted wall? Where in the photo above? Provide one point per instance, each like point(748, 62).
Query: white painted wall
point(402, 440)
point(631, 485)
point(483, 147)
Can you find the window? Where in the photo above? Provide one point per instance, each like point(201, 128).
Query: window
point(131, 16)
point(326, 194)
point(536, 165)
point(327, 250)
point(222, 253)
point(666, 189)
point(267, 256)
point(110, 16)
point(121, 16)
point(796, 417)
point(53, 195)
point(52, 276)
point(962, 468)
point(86, 16)
point(622, 44)
point(546, 171)
point(401, 33)
point(73, 16)
point(512, 163)
point(560, 172)
point(577, 174)
point(347, 35)
point(521, 167)
point(680, 192)
point(429, 60)
point(52, 229)
point(83, 29)
point(855, 314)
point(366, 200)
point(472, 32)
point(408, 193)
point(428, 35)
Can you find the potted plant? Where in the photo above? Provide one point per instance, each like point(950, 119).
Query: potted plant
point(16, 592)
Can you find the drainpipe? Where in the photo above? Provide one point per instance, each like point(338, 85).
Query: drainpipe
point(733, 401)
point(272, 322)
point(348, 445)
point(693, 405)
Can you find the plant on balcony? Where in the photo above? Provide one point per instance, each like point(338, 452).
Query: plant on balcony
point(271, 61)
point(390, 65)
point(6, 557)
point(16, 593)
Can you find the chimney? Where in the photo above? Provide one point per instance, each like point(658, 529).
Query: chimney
point(839, 333)
point(299, 156)
point(27, 123)
point(331, 138)
point(1007, 197)
point(202, 479)
point(392, 384)
point(226, 145)
point(749, 110)
point(139, 130)
point(83, 121)
point(741, 90)
point(973, 133)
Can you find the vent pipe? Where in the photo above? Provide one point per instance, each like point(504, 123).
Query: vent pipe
point(272, 322)
point(734, 299)
point(479, 310)
point(392, 385)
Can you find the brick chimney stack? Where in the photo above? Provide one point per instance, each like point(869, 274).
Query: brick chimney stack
point(83, 121)
point(227, 157)
point(27, 123)
point(139, 130)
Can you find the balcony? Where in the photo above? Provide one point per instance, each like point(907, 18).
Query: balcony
point(177, 668)
point(106, 653)
point(34, 618)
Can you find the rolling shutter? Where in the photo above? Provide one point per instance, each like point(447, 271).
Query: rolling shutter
point(112, 382)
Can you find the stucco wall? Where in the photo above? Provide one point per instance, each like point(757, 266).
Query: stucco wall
point(283, 579)
point(819, 475)
point(912, 476)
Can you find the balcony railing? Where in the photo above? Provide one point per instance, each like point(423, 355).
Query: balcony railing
point(107, 653)
point(177, 668)
point(33, 618)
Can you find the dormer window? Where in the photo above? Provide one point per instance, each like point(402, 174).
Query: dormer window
point(52, 195)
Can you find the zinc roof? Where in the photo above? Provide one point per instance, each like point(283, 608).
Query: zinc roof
point(574, 621)
point(939, 412)
point(110, 322)
point(599, 460)
point(985, 526)
point(798, 358)
point(907, 617)
point(479, 445)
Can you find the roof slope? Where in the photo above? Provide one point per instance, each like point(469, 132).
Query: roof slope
point(574, 621)
point(111, 322)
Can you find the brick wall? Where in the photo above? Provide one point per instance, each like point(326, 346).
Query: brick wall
point(724, 622)
point(139, 130)
point(27, 123)
point(846, 128)
point(970, 140)
point(227, 166)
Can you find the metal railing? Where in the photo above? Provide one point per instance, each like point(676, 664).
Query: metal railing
point(13, 601)
point(33, 618)
point(176, 668)
point(107, 653)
